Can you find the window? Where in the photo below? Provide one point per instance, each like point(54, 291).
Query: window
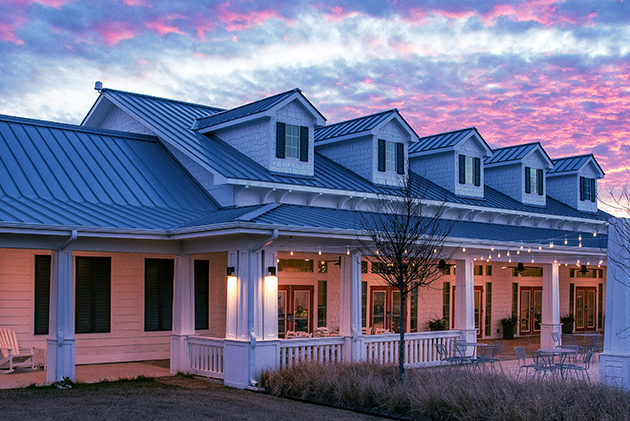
point(488, 324)
point(295, 265)
point(202, 279)
point(514, 299)
point(534, 178)
point(158, 294)
point(478, 270)
point(364, 267)
point(446, 302)
point(364, 302)
point(42, 294)
point(321, 303)
point(92, 294)
point(322, 266)
point(590, 273)
point(379, 267)
point(391, 156)
point(588, 189)
point(413, 311)
point(291, 141)
point(469, 170)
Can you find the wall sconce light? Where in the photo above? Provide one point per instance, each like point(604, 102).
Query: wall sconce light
point(230, 271)
point(271, 271)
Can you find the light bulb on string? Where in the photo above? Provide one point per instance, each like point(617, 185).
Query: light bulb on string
point(580, 237)
point(499, 254)
point(291, 253)
point(566, 241)
point(508, 253)
point(319, 251)
point(521, 248)
point(594, 234)
point(551, 245)
point(518, 252)
point(580, 245)
point(532, 259)
point(348, 251)
point(464, 249)
point(529, 249)
point(539, 247)
point(491, 248)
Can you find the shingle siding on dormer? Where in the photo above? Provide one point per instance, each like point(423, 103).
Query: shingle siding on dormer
point(353, 154)
point(391, 132)
point(533, 198)
point(292, 113)
point(251, 138)
point(469, 147)
point(508, 179)
point(439, 168)
point(566, 188)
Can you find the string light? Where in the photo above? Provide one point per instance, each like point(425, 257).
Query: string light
point(580, 245)
point(376, 252)
point(580, 237)
point(601, 261)
point(499, 254)
point(539, 247)
point(508, 253)
point(510, 260)
point(434, 251)
point(521, 247)
point(594, 234)
point(566, 241)
point(491, 248)
point(348, 251)
point(551, 245)
point(518, 252)
point(474, 259)
point(529, 249)
point(291, 253)
point(566, 264)
point(319, 251)
point(464, 249)
point(532, 259)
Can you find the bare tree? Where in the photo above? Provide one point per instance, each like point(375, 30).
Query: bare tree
point(619, 203)
point(405, 237)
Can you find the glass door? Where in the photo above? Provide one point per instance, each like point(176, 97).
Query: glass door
point(531, 310)
point(379, 304)
point(585, 308)
point(282, 312)
point(385, 309)
point(479, 310)
point(295, 309)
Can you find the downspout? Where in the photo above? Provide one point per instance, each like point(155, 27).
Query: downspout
point(251, 264)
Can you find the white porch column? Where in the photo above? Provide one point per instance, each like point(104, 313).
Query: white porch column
point(183, 312)
point(550, 305)
point(60, 347)
point(465, 299)
point(270, 297)
point(350, 308)
point(615, 360)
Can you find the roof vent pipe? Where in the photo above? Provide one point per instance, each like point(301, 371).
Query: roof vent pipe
point(98, 86)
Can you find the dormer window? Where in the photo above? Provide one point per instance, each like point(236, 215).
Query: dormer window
point(291, 141)
point(469, 170)
point(534, 178)
point(587, 189)
point(391, 156)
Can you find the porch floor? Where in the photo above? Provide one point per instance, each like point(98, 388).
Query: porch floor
point(92, 373)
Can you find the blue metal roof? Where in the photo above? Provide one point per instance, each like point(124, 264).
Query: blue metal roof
point(356, 125)
point(62, 174)
point(442, 141)
point(308, 216)
point(246, 110)
point(572, 164)
point(513, 153)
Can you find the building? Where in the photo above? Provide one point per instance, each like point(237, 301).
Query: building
point(159, 228)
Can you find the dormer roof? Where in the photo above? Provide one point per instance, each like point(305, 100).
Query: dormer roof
point(516, 153)
point(255, 109)
point(361, 125)
point(573, 164)
point(445, 142)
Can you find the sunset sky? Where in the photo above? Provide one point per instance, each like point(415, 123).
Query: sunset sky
point(557, 72)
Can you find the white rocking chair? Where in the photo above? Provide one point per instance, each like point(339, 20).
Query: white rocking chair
point(11, 355)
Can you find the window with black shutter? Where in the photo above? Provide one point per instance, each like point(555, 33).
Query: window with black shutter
point(42, 294)
point(540, 182)
point(593, 190)
point(381, 155)
point(292, 141)
point(202, 279)
point(582, 188)
point(477, 171)
point(528, 180)
point(303, 143)
point(280, 139)
point(158, 294)
point(462, 169)
point(92, 294)
point(400, 158)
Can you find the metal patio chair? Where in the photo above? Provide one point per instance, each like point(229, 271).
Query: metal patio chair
point(521, 356)
point(449, 360)
point(583, 369)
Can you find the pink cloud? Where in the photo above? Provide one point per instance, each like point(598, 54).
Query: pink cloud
point(7, 34)
point(114, 32)
point(133, 3)
point(236, 21)
point(337, 14)
point(161, 26)
point(541, 11)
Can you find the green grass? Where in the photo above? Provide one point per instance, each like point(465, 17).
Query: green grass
point(447, 393)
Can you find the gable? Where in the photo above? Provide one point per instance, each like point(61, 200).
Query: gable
point(536, 159)
point(394, 131)
point(471, 146)
point(296, 113)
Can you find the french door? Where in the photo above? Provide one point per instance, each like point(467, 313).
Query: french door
point(531, 310)
point(385, 309)
point(478, 302)
point(585, 308)
point(295, 309)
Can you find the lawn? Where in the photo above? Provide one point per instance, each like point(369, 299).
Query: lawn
point(447, 393)
point(154, 399)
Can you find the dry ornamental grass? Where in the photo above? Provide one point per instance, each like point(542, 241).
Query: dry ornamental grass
point(447, 393)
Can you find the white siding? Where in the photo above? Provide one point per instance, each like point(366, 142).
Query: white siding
point(508, 179)
point(118, 119)
point(354, 154)
point(439, 168)
point(472, 148)
point(293, 113)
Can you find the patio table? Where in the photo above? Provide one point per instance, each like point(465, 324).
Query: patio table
point(473, 345)
point(556, 352)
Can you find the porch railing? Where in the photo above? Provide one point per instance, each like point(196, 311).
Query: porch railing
point(419, 347)
point(321, 350)
point(205, 356)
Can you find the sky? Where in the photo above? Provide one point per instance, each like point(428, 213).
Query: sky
point(556, 72)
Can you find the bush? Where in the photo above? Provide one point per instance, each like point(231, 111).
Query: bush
point(437, 324)
point(445, 393)
point(567, 324)
point(509, 327)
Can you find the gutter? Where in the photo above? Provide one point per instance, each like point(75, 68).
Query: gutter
point(251, 265)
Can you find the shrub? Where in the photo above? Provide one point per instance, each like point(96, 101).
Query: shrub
point(446, 393)
point(437, 324)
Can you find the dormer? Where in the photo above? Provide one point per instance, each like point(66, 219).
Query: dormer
point(520, 172)
point(453, 160)
point(573, 180)
point(373, 146)
point(277, 132)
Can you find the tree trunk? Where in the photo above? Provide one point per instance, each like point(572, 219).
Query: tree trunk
point(401, 350)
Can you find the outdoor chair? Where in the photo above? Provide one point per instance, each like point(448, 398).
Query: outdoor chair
point(488, 355)
point(11, 355)
point(583, 369)
point(545, 364)
point(521, 356)
point(442, 352)
point(557, 342)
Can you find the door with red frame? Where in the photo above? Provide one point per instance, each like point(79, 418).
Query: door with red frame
point(295, 309)
point(530, 310)
point(385, 308)
point(585, 299)
point(478, 303)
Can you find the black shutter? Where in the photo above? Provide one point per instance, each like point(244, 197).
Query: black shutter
point(400, 158)
point(528, 180)
point(539, 181)
point(281, 129)
point(582, 188)
point(42, 294)
point(303, 143)
point(381, 155)
point(592, 180)
point(158, 294)
point(477, 172)
point(202, 276)
point(462, 169)
point(92, 294)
